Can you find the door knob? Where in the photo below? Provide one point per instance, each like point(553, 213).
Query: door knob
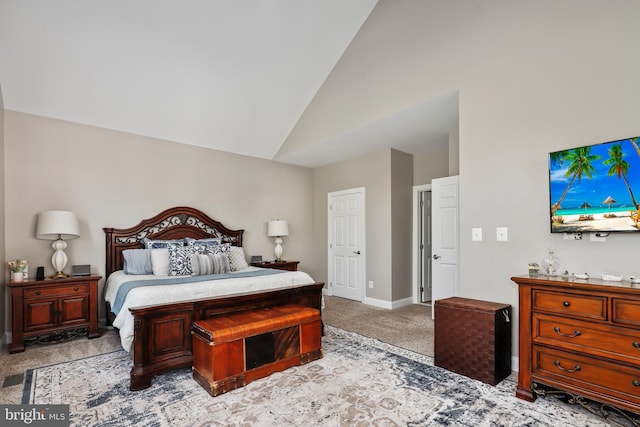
point(356, 252)
point(435, 256)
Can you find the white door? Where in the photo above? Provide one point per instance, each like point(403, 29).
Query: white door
point(444, 226)
point(347, 244)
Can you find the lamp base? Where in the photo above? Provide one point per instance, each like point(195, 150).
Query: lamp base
point(59, 275)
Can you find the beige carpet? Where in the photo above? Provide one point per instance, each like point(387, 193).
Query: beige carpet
point(408, 327)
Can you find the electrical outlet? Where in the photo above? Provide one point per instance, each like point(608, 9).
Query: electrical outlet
point(370, 284)
point(572, 236)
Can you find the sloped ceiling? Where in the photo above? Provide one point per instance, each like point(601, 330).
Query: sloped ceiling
point(228, 75)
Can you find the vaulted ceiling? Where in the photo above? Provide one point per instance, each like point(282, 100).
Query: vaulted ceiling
point(228, 75)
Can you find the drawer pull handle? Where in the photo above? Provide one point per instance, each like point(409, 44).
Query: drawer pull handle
point(573, 335)
point(37, 292)
point(575, 368)
point(636, 344)
point(566, 303)
point(635, 383)
point(75, 289)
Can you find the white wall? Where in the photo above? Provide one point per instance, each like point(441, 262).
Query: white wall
point(114, 179)
point(4, 292)
point(532, 77)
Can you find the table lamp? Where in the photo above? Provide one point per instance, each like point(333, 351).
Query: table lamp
point(277, 229)
point(58, 226)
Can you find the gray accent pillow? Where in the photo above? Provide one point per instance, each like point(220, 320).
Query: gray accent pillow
point(137, 261)
point(209, 264)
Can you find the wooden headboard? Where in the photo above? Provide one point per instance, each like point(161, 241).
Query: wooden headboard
point(173, 223)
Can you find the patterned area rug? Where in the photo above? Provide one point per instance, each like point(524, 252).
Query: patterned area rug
point(360, 381)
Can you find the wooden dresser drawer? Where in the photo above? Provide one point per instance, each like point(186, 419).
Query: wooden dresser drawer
point(570, 304)
point(617, 381)
point(585, 337)
point(80, 288)
point(626, 312)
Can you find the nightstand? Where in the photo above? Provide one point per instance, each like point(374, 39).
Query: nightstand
point(52, 309)
point(278, 265)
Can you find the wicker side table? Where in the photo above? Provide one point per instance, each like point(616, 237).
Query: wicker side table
point(473, 338)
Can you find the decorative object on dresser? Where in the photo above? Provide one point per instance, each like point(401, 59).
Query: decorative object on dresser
point(51, 310)
point(582, 338)
point(158, 334)
point(18, 268)
point(278, 265)
point(277, 229)
point(58, 226)
point(473, 338)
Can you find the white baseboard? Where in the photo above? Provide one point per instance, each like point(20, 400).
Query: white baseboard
point(389, 305)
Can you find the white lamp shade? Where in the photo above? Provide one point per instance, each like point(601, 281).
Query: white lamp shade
point(53, 223)
point(277, 228)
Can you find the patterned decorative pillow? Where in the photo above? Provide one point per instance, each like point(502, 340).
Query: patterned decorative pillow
point(159, 244)
point(237, 258)
point(209, 264)
point(222, 248)
point(213, 241)
point(179, 260)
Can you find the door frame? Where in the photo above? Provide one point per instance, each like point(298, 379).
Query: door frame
point(415, 271)
point(330, 266)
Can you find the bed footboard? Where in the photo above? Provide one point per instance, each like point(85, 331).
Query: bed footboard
point(162, 340)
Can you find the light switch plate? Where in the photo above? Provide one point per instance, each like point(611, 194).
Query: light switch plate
point(476, 234)
point(502, 234)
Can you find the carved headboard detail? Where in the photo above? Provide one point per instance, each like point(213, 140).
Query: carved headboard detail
point(173, 223)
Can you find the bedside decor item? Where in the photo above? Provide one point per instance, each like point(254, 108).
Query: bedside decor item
point(550, 264)
point(277, 229)
point(533, 269)
point(58, 226)
point(81, 270)
point(17, 267)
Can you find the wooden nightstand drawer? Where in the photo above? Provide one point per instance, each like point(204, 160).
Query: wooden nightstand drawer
point(81, 288)
point(592, 307)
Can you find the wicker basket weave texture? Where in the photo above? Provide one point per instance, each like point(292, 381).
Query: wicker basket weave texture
point(473, 338)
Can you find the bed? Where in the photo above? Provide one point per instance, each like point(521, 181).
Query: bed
point(158, 331)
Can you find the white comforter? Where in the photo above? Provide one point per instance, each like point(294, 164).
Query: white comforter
point(161, 294)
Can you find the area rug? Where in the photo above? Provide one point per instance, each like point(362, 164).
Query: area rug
point(359, 382)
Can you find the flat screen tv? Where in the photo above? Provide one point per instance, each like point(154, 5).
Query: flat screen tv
point(595, 188)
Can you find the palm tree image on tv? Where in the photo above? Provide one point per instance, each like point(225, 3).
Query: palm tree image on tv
point(620, 168)
point(591, 188)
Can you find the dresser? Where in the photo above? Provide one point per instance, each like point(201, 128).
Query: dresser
point(581, 337)
point(49, 309)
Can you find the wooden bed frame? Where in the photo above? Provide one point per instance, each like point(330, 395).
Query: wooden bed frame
point(162, 333)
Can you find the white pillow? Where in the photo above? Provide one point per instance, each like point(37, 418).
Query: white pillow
point(237, 258)
point(160, 262)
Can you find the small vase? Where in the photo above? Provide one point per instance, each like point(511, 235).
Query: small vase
point(17, 276)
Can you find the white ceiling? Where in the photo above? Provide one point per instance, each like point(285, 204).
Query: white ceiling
point(229, 75)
